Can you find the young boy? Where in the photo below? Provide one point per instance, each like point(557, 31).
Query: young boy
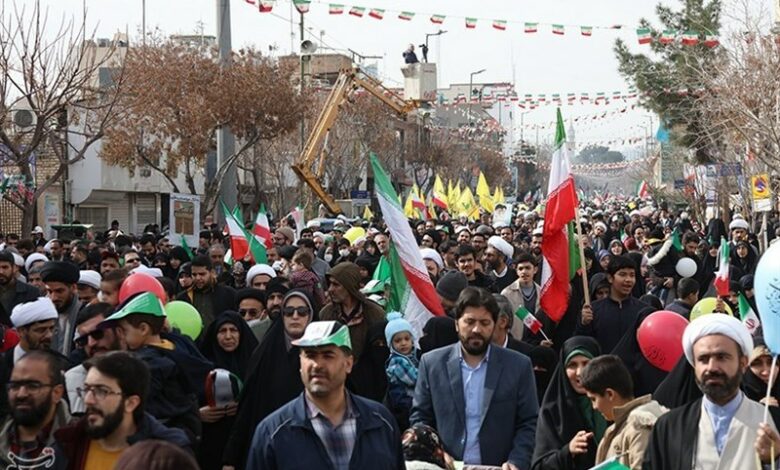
point(608, 384)
point(172, 391)
point(401, 367)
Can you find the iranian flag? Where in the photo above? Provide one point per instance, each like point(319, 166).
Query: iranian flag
point(711, 41)
point(531, 27)
point(528, 319)
point(643, 190)
point(667, 37)
point(251, 2)
point(747, 315)
point(410, 283)
point(643, 35)
point(377, 13)
point(297, 216)
point(721, 282)
point(303, 7)
point(499, 25)
point(239, 245)
point(558, 29)
point(262, 229)
point(559, 211)
point(335, 9)
point(690, 38)
point(437, 19)
point(406, 15)
point(471, 23)
point(417, 202)
point(357, 11)
point(586, 30)
point(266, 6)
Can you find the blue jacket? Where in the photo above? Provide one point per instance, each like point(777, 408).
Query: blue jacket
point(509, 410)
point(286, 440)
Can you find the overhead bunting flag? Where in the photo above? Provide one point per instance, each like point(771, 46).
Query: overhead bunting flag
point(437, 19)
point(531, 27)
point(406, 15)
point(721, 282)
point(357, 11)
point(690, 38)
point(668, 36)
point(471, 23)
point(376, 13)
point(559, 211)
point(499, 25)
point(409, 277)
point(303, 7)
point(251, 2)
point(266, 6)
point(558, 29)
point(586, 30)
point(711, 41)
point(335, 9)
point(644, 36)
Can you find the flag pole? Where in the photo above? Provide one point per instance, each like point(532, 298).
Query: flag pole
point(583, 265)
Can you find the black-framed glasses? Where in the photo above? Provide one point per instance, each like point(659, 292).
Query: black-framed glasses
point(249, 311)
point(32, 386)
point(98, 391)
point(290, 311)
point(97, 335)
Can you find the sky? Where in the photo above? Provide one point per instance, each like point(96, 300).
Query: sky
point(536, 63)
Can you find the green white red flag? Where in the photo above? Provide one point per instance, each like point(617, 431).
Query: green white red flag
point(499, 25)
point(667, 37)
point(528, 319)
point(357, 11)
point(643, 35)
point(239, 245)
point(471, 23)
point(335, 9)
point(643, 190)
point(303, 7)
point(690, 38)
point(586, 30)
point(747, 315)
point(437, 19)
point(558, 29)
point(721, 282)
point(406, 15)
point(559, 211)
point(376, 13)
point(531, 28)
point(262, 228)
point(266, 6)
point(409, 277)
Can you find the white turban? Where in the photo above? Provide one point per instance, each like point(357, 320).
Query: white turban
point(18, 260)
point(32, 259)
point(154, 272)
point(501, 245)
point(433, 255)
point(90, 278)
point(716, 324)
point(259, 269)
point(738, 223)
point(30, 312)
point(600, 224)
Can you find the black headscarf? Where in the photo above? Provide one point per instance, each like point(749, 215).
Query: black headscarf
point(368, 378)
point(561, 416)
point(753, 386)
point(238, 360)
point(679, 387)
point(542, 357)
point(646, 376)
point(438, 332)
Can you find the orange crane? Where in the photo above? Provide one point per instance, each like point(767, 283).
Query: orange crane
point(310, 164)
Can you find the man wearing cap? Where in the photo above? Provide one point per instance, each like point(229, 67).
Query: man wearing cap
point(327, 426)
point(350, 306)
point(61, 278)
point(12, 291)
point(259, 275)
point(497, 255)
point(88, 286)
point(283, 236)
point(720, 429)
point(449, 287)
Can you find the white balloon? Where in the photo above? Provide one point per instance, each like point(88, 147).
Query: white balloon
point(686, 267)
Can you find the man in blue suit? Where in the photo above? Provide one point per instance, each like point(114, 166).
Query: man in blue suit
point(480, 398)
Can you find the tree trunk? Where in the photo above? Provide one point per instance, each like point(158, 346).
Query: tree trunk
point(28, 219)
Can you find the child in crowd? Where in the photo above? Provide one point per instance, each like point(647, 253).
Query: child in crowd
point(401, 367)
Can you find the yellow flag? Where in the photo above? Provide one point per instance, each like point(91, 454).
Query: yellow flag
point(367, 214)
point(483, 191)
point(456, 198)
point(409, 211)
point(498, 196)
point(468, 206)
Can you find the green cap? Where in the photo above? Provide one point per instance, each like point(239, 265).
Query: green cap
point(145, 304)
point(325, 333)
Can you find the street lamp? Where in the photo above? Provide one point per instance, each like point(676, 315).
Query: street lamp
point(424, 47)
point(471, 85)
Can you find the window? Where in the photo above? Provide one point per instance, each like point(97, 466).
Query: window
point(97, 216)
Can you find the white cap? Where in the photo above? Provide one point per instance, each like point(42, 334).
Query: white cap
point(32, 259)
point(90, 278)
point(38, 229)
point(30, 312)
point(501, 245)
point(18, 260)
point(259, 269)
point(433, 255)
point(716, 324)
point(738, 223)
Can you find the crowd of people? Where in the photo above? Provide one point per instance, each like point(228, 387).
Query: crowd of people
point(301, 364)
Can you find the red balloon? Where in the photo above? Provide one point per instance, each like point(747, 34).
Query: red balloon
point(141, 282)
point(660, 338)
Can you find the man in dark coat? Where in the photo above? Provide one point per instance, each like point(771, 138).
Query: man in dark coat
point(208, 297)
point(12, 291)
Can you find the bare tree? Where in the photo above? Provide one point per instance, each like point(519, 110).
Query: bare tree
point(53, 107)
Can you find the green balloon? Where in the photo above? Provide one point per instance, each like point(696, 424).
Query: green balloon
point(185, 317)
point(706, 306)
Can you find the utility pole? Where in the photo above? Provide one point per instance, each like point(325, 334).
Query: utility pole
point(303, 123)
point(226, 144)
point(143, 22)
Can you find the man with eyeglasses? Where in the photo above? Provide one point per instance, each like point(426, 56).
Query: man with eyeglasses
point(92, 340)
point(114, 393)
point(251, 307)
point(37, 411)
point(132, 259)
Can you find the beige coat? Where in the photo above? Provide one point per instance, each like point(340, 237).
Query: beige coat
point(629, 434)
point(515, 296)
